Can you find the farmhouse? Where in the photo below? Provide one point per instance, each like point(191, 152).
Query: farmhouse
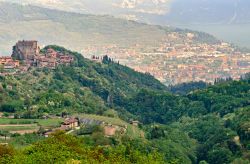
point(70, 123)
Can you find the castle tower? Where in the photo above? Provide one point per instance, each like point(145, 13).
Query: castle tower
point(25, 50)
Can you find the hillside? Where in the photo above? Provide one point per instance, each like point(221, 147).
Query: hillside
point(62, 148)
point(217, 117)
point(85, 87)
point(207, 124)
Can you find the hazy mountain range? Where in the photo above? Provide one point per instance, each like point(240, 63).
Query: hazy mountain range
point(72, 30)
point(157, 11)
point(112, 7)
point(227, 19)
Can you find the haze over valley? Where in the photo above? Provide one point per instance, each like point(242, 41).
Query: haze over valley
point(124, 82)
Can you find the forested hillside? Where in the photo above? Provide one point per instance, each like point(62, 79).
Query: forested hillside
point(84, 87)
point(208, 124)
point(62, 148)
point(217, 117)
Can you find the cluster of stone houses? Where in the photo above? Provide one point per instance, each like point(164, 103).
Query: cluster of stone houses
point(51, 59)
point(9, 63)
point(28, 53)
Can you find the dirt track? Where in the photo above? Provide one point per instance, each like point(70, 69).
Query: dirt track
point(24, 131)
point(16, 125)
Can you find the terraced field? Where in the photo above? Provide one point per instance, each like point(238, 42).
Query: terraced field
point(23, 126)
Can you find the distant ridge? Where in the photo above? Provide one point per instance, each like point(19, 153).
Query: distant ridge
point(72, 30)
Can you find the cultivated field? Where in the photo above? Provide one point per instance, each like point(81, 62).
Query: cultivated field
point(22, 126)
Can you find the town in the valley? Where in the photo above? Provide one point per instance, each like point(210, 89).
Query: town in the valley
point(181, 58)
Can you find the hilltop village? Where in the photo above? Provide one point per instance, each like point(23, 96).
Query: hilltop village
point(181, 58)
point(26, 54)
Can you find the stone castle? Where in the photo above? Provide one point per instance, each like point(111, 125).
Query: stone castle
point(25, 50)
point(26, 54)
point(29, 53)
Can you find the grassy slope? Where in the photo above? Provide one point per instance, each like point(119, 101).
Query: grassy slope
point(85, 86)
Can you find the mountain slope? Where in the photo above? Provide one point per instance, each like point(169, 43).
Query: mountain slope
point(102, 7)
point(159, 11)
point(74, 31)
point(209, 124)
point(217, 117)
point(85, 87)
point(77, 31)
point(220, 18)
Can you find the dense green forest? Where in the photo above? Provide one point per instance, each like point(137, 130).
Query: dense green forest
point(62, 148)
point(188, 123)
point(185, 88)
point(84, 87)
